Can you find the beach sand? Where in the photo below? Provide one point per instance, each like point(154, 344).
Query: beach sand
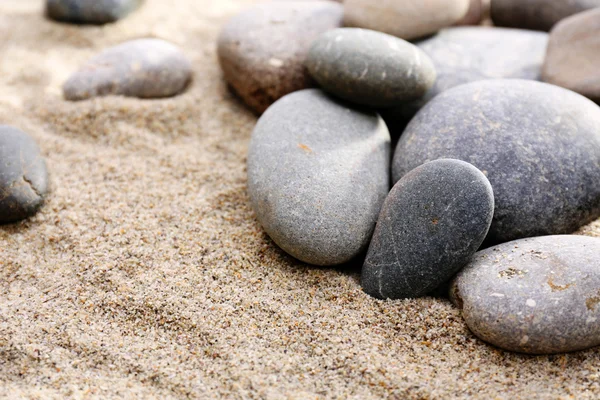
point(146, 274)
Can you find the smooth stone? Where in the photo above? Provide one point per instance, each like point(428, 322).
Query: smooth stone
point(573, 54)
point(469, 54)
point(431, 224)
point(263, 49)
point(475, 14)
point(370, 68)
point(90, 11)
point(318, 173)
point(406, 20)
point(536, 14)
point(23, 175)
point(536, 296)
point(538, 144)
point(144, 68)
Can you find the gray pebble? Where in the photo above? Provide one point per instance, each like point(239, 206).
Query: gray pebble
point(538, 144)
point(370, 68)
point(537, 296)
point(433, 221)
point(90, 11)
point(23, 175)
point(144, 68)
point(318, 173)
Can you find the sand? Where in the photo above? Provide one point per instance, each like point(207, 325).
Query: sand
point(147, 276)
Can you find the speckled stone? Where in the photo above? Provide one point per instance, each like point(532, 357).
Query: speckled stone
point(536, 14)
point(145, 68)
point(537, 296)
point(370, 68)
point(23, 175)
point(538, 144)
point(263, 49)
point(318, 173)
point(90, 11)
point(406, 20)
point(573, 54)
point(433, 221)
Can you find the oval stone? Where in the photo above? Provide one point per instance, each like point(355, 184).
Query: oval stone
point(263, 49)
point(406, 20)
point(538, 144)
point(432, 222)
point(370, 68)
point(23, 175)
point(144, 68)
point(318, 173)
point(90, 11)
point(537, 296)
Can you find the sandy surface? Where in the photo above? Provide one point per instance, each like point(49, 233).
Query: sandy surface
point(147, 276)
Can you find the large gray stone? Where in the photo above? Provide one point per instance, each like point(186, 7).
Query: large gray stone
point(538, 144)
point(145, 68)
point(370, 68)
point(23, 175)
point(90, 11)
point(318, 173)
point(433, 221)
point(538, 295)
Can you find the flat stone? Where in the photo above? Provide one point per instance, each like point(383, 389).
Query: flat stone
point(536, 14)
point(433, 221)
point(574, 54)
point(263, 49)
point(23, 175)
point(144, 68)
point(370, 68)
point(318, 173)
point(538, 144)
point(536, 296)
point(90, 11)
point(406, 20)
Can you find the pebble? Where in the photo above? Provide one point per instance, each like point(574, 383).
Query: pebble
point(370, 68)
point(23, 175)
point(474, 15)
point(263, 49)
point(536, 296)
point(431, 224)
point(406, 20)
point(574, 54)
point(538, 144)
point(318, 173)
point(144, 68)
point(90, 11)
point(536, 14)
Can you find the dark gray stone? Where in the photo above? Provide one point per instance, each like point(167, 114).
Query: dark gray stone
point(90, 11)
point(23, 175)
point(537, 296)
point(538, 144)
point(433, 221)
point(370, 68)
point(318, 173)
point(145, 68)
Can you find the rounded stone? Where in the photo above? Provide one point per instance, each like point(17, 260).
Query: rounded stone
point(370, 68)
point(406, 20)
point(263, 49)
point(475, 14)
point(318, 173)
point(538, 144)
point(536, 14)
point(432, 222)
point(144, 68)
point(90, 11)
point(574, 54)
point(23, 175)
point(536, 296)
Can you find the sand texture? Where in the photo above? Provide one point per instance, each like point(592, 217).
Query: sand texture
point(147, 276)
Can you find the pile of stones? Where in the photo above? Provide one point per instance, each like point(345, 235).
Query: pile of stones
point(491, 169)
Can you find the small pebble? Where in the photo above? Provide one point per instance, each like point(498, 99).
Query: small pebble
point(144, 68)
point(90, 11)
